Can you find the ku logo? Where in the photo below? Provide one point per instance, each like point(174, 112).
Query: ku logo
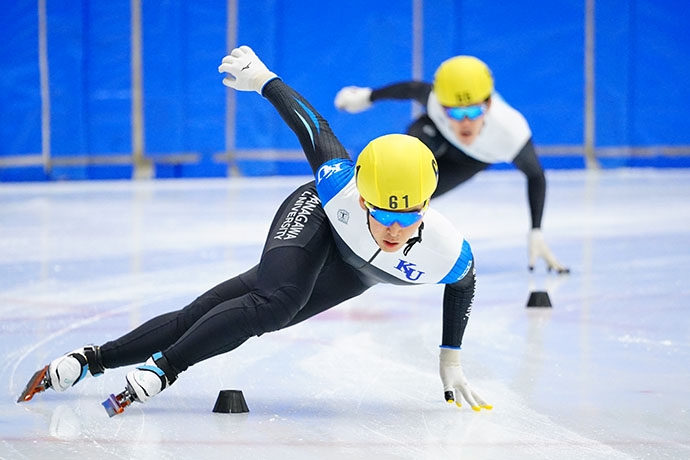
point(326, 170)
point(408, 269)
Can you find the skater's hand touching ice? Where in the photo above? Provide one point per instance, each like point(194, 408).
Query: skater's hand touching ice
point(455, 384)
point(245, 71)
point(538, 249)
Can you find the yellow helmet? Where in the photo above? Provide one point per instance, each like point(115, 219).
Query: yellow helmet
point(463, 80)
point(396, 171)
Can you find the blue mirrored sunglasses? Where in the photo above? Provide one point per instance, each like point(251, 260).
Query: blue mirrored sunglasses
point(388, 218)
point(470, 111)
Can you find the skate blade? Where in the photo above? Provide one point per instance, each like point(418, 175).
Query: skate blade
point(115, 404)
point(37, 384)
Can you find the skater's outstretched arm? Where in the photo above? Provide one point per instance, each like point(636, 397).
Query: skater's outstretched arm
point(355, 99)
point(457, 306)
point(528, 162)
point(246, 72)
point(416, 90)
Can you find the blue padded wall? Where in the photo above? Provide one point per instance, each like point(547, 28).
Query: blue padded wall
point(534, 47)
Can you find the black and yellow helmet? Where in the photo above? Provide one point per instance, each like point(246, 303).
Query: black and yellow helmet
point(463, 80)
point(396, 172)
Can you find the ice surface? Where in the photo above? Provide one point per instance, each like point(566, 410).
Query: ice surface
point(604, 374)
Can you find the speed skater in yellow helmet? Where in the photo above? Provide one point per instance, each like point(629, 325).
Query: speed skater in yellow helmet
point(462, 81)
point(396, 172)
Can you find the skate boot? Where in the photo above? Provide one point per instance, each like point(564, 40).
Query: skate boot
point(143, 383)
point(64, 372)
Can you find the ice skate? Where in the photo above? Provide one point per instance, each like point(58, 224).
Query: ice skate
point(116, 403)
point(143, 383)
point(64, 372)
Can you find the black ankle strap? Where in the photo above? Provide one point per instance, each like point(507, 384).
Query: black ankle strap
point(93, 356)
point(163, 364)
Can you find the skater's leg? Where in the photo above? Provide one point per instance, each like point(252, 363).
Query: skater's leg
point(297, 247)
point(278, 295)
point(299, 243)
point(337, 283)
point(160, 332)
point(135, 346)
point(286, 278)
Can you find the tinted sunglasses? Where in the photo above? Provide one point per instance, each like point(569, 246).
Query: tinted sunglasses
point(470, 111)
point(388, 218)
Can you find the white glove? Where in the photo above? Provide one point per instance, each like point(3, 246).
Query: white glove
point(539, 249)
point(353, 99)
point(245, 70)
point(454, 381)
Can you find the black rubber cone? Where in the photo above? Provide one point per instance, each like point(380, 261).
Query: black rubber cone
point(539, 299)
point(230, 402)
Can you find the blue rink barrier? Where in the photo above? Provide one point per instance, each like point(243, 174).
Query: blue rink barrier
point(96, 79)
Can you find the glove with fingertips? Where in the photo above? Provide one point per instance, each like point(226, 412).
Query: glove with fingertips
point(245, 71)
point(454, 381)
point(539, 249)
point(353, 99)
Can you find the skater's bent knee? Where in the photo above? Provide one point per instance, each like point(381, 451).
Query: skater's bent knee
point(279, 308)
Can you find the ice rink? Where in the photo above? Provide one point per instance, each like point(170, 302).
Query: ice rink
point(604, 374)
